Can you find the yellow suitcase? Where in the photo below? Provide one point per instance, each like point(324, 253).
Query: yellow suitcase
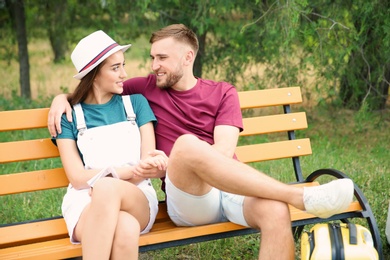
point(338, 241)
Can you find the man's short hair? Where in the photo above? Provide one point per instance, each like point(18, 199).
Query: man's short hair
point(179, 32)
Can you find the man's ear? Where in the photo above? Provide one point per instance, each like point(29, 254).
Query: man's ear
point(189, 57)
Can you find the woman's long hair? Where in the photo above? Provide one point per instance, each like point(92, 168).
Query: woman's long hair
point(85, 86)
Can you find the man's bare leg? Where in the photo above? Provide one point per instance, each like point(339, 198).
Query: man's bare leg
point(273, 219)
point(194, 166)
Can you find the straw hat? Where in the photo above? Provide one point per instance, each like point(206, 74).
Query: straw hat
point(92, 50)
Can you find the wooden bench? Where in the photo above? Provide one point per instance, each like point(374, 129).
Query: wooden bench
point(48, 238)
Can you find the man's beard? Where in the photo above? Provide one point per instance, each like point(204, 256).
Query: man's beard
point(171, 80)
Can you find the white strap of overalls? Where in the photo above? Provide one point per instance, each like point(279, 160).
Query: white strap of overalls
point(129, 109)
point(81, 126)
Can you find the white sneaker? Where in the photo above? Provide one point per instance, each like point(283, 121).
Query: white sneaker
point(329, 199)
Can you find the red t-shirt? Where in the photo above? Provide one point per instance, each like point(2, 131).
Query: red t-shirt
point(196, 111)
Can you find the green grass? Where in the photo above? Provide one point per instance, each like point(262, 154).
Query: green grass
point(356, 143)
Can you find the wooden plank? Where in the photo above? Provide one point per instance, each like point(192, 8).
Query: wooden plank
point(297, 214)
point(172, 232)
point(163, 231)
point(274, 123)
point(162, 211)
point(33, 232)
point(23, 119)
point(27, 150)
point(32, 181)
point(274, 150)
point(37, 118)
point(178, 233)
point(56, 228)
point(269, 97)
point(55, 249)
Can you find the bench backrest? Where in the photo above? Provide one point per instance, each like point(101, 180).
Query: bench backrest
point(280, 120)
point(25, 150)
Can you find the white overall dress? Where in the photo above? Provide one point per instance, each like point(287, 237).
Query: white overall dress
point(103, 147)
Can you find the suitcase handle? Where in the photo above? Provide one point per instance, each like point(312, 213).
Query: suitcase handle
point(352, 233)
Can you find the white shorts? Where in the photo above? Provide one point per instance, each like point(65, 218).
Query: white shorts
point(216, 206)
point(75, 201)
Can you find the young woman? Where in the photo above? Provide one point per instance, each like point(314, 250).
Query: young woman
point(107, 206)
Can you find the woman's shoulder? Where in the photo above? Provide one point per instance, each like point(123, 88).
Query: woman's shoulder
point(137, 98)
point(133, 97)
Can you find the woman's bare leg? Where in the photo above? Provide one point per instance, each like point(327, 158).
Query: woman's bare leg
point(126, 239)
point(98, 222)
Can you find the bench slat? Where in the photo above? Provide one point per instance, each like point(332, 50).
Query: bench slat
point(33, 181)
point(62, 248)
point(55, 249)
point(33, 232)
point(270, 97)
point(23, 119)
point(54, 178)
point(297, 214)
point(30, 150)
point(274, 123)
point(27, 150)
point(56, 228)
point(274, 150)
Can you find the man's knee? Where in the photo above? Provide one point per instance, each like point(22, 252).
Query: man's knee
point(185, 139)
point(266, 214)
point(281, 210)
point(185, 145)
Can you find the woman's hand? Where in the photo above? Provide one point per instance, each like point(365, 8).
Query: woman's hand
point(59, 106)
point(153, 166)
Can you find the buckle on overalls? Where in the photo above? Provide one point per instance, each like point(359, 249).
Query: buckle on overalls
point(131, 118)
point(82, 128)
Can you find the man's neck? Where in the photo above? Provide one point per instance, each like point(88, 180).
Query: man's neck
point(185, 84)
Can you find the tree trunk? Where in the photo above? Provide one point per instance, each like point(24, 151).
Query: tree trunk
point(384, 87)
point(199, 59)
point(57, 21)
point(16, 9)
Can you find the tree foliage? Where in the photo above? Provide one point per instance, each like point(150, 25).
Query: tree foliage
point(351, 48)
point(340, 48)
point(367, 74)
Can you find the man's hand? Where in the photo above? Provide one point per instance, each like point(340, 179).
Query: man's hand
point(59, 106)
point(153, 166)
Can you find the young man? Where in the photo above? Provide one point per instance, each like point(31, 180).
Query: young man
point(199, 124)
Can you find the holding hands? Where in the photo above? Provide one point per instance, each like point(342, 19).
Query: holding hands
point(153, 166)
